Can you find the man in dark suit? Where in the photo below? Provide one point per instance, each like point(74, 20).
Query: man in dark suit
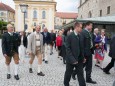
point(87, 45)
point(53, 39)
point(74, 56)
point(10, 43)
point(112, 55)
point(46, 42)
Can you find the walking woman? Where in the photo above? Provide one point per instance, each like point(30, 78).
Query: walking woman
point(23, 46)
point(101, 48)
point(59, 44)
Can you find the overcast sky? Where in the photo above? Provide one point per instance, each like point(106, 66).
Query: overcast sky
point(62, 5)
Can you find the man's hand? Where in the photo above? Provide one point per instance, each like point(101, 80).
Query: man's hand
point(84, 60)
point(30, 53)
point(75, 63)
point(5, 55)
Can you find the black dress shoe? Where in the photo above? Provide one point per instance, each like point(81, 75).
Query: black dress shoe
point(73, 76)
point(101, 68)
point(91, 81)
point(30, 70)
point(46, 62)
point(106, 72)
point(43, 59)
point(97, 65)
point(16, 77)
point(8, 76)
point(40, 74)
point(51, 53)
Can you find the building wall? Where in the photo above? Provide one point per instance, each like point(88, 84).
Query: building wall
point(3, 15)
point(60, 21)
point(91, 8)
point(49, 8)
point(10, 16)
point(7, 16)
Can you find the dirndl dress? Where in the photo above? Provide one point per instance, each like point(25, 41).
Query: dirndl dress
point(99, 52)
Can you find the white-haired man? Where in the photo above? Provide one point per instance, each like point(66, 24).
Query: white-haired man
point(35, 48)
point(10, 44)
point(46, 42)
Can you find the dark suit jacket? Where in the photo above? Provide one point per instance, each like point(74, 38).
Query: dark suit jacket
point(6, 41)
point(53, 36)
point(46, 39)
point(112, 48)
point(86, 43)
point(94, 36)
point(73, 49)
point(25, 41)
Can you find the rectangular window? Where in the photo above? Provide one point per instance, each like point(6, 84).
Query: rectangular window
point(2, 13)
point(100, 13)
point(108, 10)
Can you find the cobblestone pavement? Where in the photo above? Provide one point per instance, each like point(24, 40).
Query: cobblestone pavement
point(54, 74)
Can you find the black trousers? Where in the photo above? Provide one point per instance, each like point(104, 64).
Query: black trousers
point(63, 50)
point(79, 71)
point(110, 65)
point(88, 67)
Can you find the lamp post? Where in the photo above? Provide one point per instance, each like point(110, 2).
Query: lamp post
point(24, 8)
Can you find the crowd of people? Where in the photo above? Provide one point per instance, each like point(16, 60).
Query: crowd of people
point(76, 47)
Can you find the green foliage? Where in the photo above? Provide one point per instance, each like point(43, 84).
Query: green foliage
point(3, 25)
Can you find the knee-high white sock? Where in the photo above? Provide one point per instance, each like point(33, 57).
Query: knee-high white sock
point(8, 69)
point(30, 66)
point(39, 68)
point(16, 69)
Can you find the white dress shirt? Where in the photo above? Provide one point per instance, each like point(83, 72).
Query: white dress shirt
point(37, 37)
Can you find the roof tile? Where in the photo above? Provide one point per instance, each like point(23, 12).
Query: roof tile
point(6, 8)
point(66, 15)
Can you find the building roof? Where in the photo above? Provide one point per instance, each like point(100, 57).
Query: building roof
point(107, 20)
point(66, 15)
point(5, 7)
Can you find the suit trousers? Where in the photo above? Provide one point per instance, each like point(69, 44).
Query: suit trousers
point(79, 71)
point(110, 65)
point(88, 67)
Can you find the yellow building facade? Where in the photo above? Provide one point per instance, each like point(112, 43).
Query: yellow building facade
point(7, 14)
point(39, 12)
point(62, 18)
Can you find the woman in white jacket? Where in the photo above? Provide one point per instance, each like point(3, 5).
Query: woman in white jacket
point(23, 46)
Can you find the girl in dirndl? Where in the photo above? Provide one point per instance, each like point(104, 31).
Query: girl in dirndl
point(23, 46)
point(101, 48)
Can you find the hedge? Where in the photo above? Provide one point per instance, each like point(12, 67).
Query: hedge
point(3, 25)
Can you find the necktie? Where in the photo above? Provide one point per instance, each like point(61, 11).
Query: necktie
point(78, 36)
point(91, 40)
